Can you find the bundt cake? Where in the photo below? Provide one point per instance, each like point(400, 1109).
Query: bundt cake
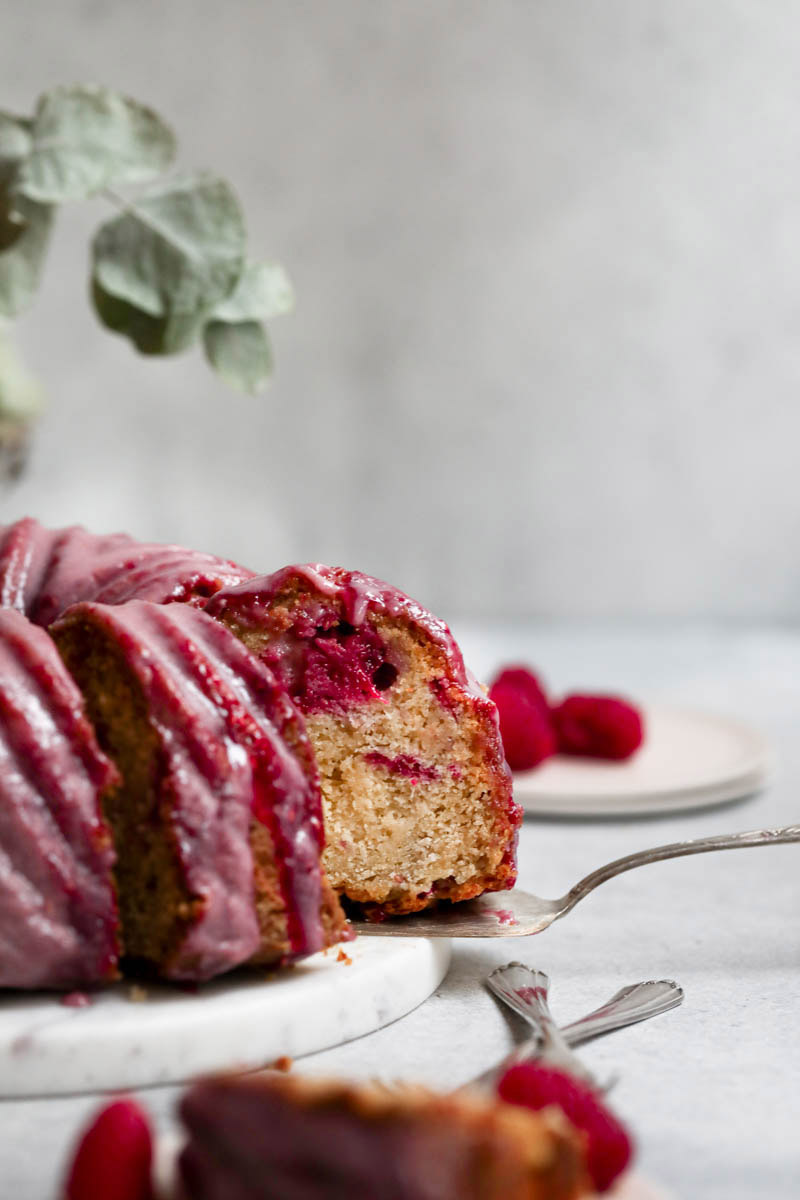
point(44, 571)
point(213, 799)
point(416, 793)
point(216, 821)
point(58, 915)
point(274, 1137)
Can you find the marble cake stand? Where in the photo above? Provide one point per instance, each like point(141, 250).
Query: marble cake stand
point(129, 1037)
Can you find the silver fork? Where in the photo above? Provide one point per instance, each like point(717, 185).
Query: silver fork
point(525, 991)
point(518, 914)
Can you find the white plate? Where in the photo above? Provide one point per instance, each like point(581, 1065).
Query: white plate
point(122, 1040)
point(688, 760)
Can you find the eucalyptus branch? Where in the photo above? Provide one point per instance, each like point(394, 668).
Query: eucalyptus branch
point(171, 269)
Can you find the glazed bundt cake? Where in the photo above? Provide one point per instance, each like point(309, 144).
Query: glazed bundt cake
point(58, 915)
point(416, 793)
point(217, 820)
point(273, 1137)
point(44, 571)
point(213, 801)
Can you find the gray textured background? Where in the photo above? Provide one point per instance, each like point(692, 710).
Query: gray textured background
point(547, 350)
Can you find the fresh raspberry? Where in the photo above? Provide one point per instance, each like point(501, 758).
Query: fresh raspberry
point(608, 1147)
point(525, 728)
point(523, 680)
point(597, 727)
point(114, 1157)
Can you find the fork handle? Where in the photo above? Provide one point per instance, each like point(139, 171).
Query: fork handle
point(630, 1004)
point(524, 989)
point(627, 1006)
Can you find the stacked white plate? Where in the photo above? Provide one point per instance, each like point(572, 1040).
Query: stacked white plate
point(688, 760)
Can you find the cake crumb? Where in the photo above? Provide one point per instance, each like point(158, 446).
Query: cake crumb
point(344, 958)
point(137, 994)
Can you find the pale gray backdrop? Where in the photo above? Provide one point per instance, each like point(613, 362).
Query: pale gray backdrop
point(546, 357)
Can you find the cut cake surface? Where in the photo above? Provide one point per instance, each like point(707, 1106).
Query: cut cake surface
point(416, 793)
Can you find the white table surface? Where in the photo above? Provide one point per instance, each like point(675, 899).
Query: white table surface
point(712, 1089)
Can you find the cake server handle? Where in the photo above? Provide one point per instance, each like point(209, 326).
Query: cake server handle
point(520, 914)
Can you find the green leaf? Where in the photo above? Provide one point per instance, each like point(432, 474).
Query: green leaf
point(12, 224)
point(15, 137)
point(173, 255)
point(23, 252)
point(264, 291)
point(240, 353)
point(150, 335)
point(87, 138)
point(20, 394)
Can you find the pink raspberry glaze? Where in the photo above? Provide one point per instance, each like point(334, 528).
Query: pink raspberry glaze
point(333, 656)
point(43, 571)
point(58, 916)
point(221, 716)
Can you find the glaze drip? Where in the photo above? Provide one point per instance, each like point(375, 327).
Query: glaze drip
point(58, 916)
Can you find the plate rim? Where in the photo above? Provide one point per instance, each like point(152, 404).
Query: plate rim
point(47, 1049)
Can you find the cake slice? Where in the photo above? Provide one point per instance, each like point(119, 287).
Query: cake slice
point(275, 1137)
point(44, 571)
point(58, 914)
point(217, 820)
point(416, 793)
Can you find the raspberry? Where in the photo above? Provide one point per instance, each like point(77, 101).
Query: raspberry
point(608, 1146)
point(597, 727)
point(525, 727)
point(114, 1156)
point(523, 680)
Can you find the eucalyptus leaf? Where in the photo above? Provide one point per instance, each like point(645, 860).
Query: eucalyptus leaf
point(264, 291)
point(87, 138)
point(20, 394)
point(150, 335)
point(22, 260)
point(240, 353)
point(15, 137)
point(175, 253)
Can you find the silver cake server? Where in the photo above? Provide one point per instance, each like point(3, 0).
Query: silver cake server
point(518, 914)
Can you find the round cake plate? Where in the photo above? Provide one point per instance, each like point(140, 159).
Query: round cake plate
point(131, 1037)
point(688, 760)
